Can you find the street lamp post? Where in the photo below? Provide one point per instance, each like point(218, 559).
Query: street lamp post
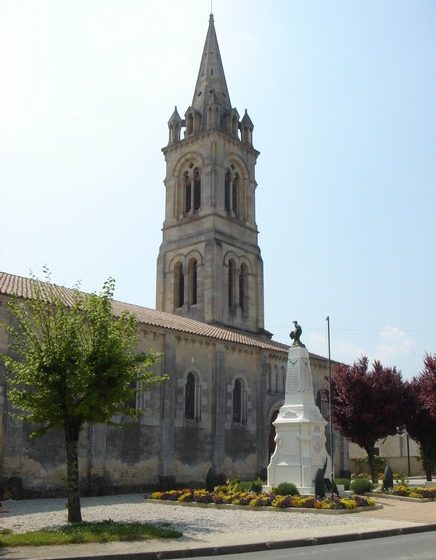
point(332, 473)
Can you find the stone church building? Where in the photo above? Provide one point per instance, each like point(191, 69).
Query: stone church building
point(226, 374)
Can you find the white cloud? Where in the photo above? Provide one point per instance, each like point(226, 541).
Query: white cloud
point(394, 346)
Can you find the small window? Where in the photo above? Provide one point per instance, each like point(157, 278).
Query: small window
point(197, 189)
point(227, 191)
point(188, 192)
point(190, 397)
point(179, 284)
point(243, 281)
point(193, 281)
point(231, 280)
point(239, 402)
point(235, 194)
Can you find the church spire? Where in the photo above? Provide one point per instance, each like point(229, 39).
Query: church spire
point(211, 83)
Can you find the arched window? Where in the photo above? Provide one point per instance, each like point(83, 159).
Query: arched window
point(235, 194)
point(227, 182)
point(239, 402)
point(188, 191)
point(193, 281)
point(179, 285)
point(243, 288)
point(192, 397)
point(197, 189)
point(192, 190)
point(231, 191)
point(231, 283)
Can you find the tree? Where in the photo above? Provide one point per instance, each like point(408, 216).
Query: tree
point(368, 405)
point(421, 414)
point(72, 361)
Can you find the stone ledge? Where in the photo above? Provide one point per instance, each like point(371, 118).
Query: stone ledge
point(265, 508)
point(400, 498)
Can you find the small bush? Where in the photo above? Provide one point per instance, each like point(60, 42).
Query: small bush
point(360, 476)
point(213, 479)
point(388, 478)
point(256, 486)
point(319, 484)
point(344, 481)
point(361, 485)
point(286, 489)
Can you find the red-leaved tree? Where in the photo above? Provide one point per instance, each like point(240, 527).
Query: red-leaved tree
point(421, 414)
point(368, 405)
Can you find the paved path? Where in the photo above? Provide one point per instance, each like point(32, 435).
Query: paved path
point(396, 517)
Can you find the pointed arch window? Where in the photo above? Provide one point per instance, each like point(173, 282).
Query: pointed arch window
point(192, 397)
point(239, 402)
point(179, 285)
point(192, 190)
point(193, 282)
point(231, 192)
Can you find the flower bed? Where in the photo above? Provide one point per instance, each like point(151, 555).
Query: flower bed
point(416, 492)
point(189, 495)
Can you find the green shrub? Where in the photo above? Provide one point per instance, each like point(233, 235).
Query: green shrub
point(319, 484)
point(361, 485)
point(344, 481)
point(256, 486)
point(286, 489)
point(388, 478)
point(213, 479)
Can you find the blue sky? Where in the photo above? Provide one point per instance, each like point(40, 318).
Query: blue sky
point(342, 96)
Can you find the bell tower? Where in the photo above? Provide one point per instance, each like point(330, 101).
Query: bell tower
point(209, 265)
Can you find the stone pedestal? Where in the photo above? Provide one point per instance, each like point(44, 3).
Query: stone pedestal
point(300, 438)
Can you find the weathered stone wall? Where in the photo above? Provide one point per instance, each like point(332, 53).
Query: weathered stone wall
point(163, 447)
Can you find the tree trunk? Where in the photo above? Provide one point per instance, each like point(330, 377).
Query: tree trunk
point(427, 465)
point(72, 431)
point(372, 464)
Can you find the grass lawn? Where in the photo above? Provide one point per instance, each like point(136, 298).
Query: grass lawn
point(104, 531)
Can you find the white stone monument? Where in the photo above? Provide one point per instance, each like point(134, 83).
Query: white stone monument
point(300, 429)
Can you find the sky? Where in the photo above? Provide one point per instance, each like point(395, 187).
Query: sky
point(342, 97)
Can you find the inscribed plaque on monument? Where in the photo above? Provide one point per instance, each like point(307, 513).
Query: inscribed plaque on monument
point(307, 377)
point(317, 440)
point(292, 378)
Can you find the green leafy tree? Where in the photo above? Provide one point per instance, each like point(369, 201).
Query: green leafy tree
point(72, 361)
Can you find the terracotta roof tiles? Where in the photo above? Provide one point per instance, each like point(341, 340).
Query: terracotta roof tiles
point(22, 287)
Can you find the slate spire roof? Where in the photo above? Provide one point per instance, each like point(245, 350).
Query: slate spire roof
point(211, 76)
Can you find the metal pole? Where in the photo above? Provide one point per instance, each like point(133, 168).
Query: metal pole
point(408, 454)
point(332, 474)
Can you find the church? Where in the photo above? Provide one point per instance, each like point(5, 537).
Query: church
point(226, 374)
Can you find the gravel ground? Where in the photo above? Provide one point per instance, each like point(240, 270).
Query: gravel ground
point(28, 515)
